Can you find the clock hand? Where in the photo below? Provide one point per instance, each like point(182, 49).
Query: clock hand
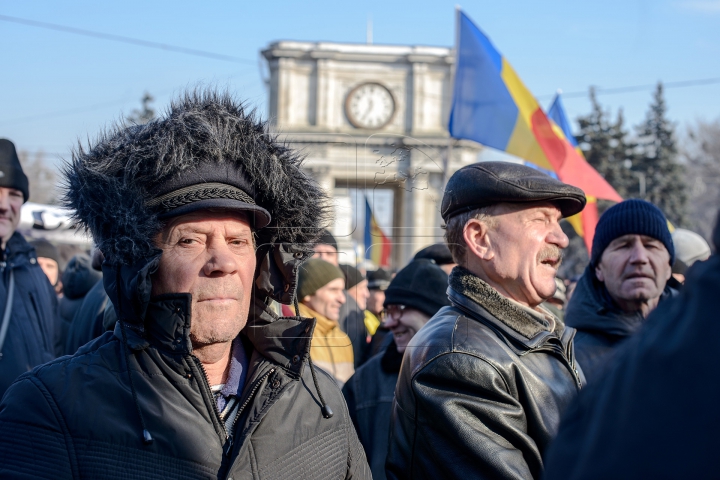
point(370, 108)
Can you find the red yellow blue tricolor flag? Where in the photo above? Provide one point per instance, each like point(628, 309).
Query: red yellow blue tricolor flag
point(492, 106)
point(377, 244)
point(584, 222)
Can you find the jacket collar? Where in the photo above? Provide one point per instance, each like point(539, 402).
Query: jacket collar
point(592, 308)
point(469, 292)
point(391, 359)
point(17, 250)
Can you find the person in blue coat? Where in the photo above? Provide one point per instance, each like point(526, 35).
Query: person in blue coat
point(629, 275)
point(28, 305)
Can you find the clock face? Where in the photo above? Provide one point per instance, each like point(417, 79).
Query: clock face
point(370, 105)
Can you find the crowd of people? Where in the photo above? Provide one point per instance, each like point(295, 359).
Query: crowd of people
point(213, 332)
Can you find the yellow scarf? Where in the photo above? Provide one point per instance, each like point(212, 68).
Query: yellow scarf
point(330, 348)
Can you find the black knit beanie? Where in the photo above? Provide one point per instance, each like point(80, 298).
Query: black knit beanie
point(315, 274)
point(632, 216)
point(420, 285)
point(11, 172)
point(327, 238)
point(353, 276)
point(438, 252)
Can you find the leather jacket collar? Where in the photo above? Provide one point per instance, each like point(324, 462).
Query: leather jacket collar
point(471, 294)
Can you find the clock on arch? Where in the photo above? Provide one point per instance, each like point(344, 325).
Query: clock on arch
point(370, 105)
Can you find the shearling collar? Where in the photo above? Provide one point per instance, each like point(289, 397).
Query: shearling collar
point(518, 319)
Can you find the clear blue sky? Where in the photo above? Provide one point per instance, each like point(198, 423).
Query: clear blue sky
point(57, 87)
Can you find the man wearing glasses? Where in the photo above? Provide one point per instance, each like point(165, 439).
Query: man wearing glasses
point(483, 384)
point(415, 294)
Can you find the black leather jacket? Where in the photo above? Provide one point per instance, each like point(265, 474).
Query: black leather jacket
point(481, 389)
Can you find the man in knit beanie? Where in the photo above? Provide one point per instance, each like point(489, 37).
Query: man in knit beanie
point(629, 274)
point(49, 260)
point(320, 291)
point(359, 324)
point(29, 325)
point(415, 294)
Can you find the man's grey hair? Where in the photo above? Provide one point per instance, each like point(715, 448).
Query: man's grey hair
point(455, 229)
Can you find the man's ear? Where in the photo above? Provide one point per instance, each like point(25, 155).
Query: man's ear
point(306, 299)
point(476, 238)
point(599, 273)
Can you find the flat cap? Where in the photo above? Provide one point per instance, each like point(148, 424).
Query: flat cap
point(487, 183)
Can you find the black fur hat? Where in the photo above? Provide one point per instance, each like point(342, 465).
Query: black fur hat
point(114, 185)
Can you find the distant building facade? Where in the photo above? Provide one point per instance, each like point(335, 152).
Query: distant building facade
point(372, 119)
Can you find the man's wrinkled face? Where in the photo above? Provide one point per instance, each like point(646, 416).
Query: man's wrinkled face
point(360, 294)
point(327, 300)
point(375, 301)
point(326, 252)
point(634, 269)
point(50, 268)
point(210, 255)
point(522, 251)
point(11, 201)
point(404, 323)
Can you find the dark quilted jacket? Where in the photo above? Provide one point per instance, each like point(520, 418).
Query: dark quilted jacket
point(77, 417)
point(34, 325)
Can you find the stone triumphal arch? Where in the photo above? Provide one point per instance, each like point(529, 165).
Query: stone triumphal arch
point(372, 120)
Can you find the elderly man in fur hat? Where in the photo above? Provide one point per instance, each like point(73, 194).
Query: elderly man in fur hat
point(203, 219)
point(483, 384)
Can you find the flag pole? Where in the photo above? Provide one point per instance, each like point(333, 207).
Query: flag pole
point(448, 150)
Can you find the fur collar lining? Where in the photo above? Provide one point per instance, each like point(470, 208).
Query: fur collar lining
point(521, 321)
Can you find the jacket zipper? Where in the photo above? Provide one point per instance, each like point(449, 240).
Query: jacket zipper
point(254, 390)
point(210, 395)
point(568, 363)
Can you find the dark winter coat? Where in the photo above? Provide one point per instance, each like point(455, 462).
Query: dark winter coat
point(95, 429)
point(601, 326)
point(77, 278)
point(352, 322)
point(369, 395)
point(481, 389)
point(655, 412)
point(87, 324)
point(33, 328)
point(135, 403)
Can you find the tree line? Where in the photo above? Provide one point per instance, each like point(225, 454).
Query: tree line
point(648, 162)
